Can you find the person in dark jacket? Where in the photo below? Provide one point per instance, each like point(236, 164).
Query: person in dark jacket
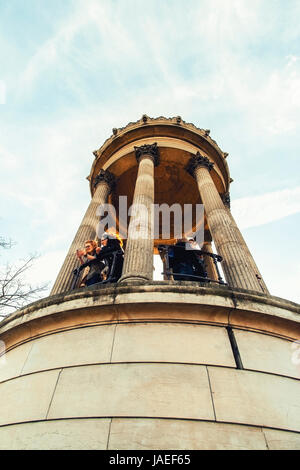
point(112, 254)
point(187, 261)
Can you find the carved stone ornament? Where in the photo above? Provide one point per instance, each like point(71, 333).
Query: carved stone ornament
point(226, 199)
point(104, 176)
point(150, 150)
point(196, 161)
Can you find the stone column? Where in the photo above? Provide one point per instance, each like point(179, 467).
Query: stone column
point(226, 201)
point(138, 260)
point(210, 265)
point(87, 231)
point(237, 261)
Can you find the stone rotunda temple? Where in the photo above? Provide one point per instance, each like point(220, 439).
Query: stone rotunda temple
point(136, 363)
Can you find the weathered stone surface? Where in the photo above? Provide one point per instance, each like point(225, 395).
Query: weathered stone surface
point(80, 346)
point(79, 326)
point(27, 398)
point(172, 342)
point(12, 362)
point(170, 434)
point(158, 300)
point(256, 398)
point(142, 434)
point(154, 390)
point(72, 434)
point(282, 440)
point(267, 353)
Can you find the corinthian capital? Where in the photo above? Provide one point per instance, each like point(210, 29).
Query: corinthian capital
point(196, 161)
point(150, 150)
point(106, 177)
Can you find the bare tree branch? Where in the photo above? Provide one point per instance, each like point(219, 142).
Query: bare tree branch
point(15, 291)
point(6, 243)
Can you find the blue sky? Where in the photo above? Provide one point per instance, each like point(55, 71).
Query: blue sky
point(71, 70)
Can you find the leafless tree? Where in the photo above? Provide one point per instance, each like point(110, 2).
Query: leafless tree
point(15, 291)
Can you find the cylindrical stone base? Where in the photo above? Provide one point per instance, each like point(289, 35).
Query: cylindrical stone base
point(151, 367)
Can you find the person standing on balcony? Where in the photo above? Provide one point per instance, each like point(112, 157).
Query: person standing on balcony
point(92, 272)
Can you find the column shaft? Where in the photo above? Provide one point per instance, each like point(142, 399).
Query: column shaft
point(86, 231)
point(238, 264)
point(138, 260)
point(209, 263)
point(250, 258)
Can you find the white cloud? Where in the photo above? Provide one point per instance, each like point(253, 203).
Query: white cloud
point(114, 43)
point(51, 50)
point(279, 99)
point(268, 96)
point(286, 286)
point(2, 92)
point(266, 208)
point(8, 160)
point(216, 40)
